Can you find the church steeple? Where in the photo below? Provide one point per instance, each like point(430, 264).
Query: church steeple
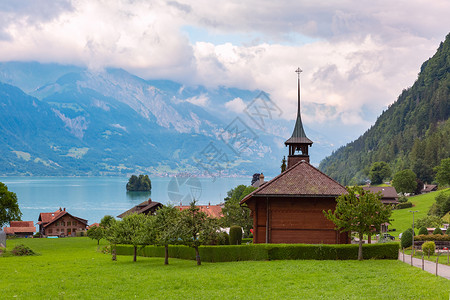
point(298, 143)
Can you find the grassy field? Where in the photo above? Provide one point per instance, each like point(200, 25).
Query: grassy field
point(403, 218)
point(71, 268)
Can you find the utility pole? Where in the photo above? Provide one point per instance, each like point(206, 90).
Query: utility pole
point(413, 211)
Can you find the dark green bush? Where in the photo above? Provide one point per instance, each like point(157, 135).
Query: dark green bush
point(438, 231)
point(423, 230)
point(22, 250)
point(404, 205)
point(224, 239)
point(402, 199)
point(235, 235)
point(448, 230)
point(406, 240)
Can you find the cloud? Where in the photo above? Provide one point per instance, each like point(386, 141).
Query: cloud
point(357, 56)
point(236, 105)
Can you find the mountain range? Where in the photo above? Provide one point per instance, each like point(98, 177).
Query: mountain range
point(68, 120)
point(413, 133)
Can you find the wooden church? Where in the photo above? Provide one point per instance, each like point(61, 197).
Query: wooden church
point(289, 208)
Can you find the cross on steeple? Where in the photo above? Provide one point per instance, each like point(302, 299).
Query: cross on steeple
point(298, 71)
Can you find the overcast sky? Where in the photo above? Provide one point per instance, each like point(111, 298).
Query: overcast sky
point(356, 56)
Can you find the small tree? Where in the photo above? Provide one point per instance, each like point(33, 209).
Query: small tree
point(429, 221)
point(443, 172)
point(236, 214)
point(9, 208)
point(95, 233)
point(405, 181)
point(379, 171)
point(166, 222)
point(136, 230)
point(423, 230)
point(360, 211)
point(192, 221)
point(447, 231)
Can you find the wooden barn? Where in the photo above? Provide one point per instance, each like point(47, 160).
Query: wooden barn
point(289, 208)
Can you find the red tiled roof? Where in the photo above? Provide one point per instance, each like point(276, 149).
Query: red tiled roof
point(21, 224)
point(13, 230)
point(48, 218)
point(143, 207)
point(92, 225)
point(213, 211)
point(301, 180)
point(386, 191)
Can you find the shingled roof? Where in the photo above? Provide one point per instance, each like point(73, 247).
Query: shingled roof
point(142, 208)
point(20, 227)
point(45, 219)
point(213, 211)
point(302, 180)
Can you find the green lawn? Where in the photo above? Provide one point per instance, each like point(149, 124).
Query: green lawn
point(70, 268)
point(403, 218)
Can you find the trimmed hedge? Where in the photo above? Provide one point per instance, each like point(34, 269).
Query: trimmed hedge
point(270, 252)
point(404, 205)
point(432, 237)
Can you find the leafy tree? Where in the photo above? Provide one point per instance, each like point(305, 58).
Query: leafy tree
point(405, 181)
point(379, 171)
point(419, 187)
point(107, 221)
point(166, 223)
point(141, 183)
point(9, 208)
point(96, 233)
point(236, 193)
point(236, 214)
point(442, 204)
point(191, 223)
point(428, 221)
point(360, 211)
point(447, 231)
point(443, 172)
point(136, 230)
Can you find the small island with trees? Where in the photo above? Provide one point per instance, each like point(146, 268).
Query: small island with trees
point(139, 184)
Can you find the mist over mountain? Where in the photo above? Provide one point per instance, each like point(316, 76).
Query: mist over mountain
point(413, 133)
point(68, 120)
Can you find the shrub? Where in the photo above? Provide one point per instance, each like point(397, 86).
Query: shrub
point(423, 230)
point(437, 231)
point(448, 230)
point(406, 240)
point(269, 252)
point(402, 199)
point(432, 237)
point(404, 205)
point(224, 238)
point(235, 235)
point(428, 248)
point(22, 250)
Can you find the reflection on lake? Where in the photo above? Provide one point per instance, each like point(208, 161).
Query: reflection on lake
point(92, 198)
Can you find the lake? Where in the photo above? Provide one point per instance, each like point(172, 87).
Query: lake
point(92, 198)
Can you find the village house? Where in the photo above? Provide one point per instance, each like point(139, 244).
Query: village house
point(20, 228)
point(427, 188)
point(212, 211)
point(289, 208)
point(148, 207)
point(60, 223)
point(389, 194)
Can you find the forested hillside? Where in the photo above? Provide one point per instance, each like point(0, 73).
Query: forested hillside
point(414, 132)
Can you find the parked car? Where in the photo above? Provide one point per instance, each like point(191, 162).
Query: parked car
point(388, 236)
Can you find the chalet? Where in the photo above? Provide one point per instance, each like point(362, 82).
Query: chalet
point(20, 228)
point(213, 211)
point(388, 193)
point(147, 207)
point(60, 223)
point(289, 208)
point(427, 188)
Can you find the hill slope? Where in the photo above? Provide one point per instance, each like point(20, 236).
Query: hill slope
point(414, 132)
